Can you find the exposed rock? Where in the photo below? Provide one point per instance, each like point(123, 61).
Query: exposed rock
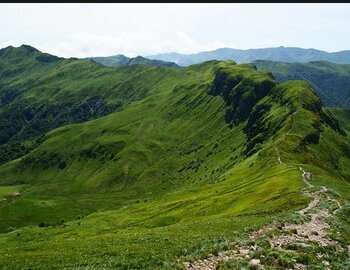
point(244, 251)
point(254, 262)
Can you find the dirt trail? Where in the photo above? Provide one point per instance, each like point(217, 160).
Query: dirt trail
point(313, 230)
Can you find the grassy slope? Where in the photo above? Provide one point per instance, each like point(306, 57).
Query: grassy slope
point(171, 134)
point(42, 92)
point(343, 115)
point(331, 81)
point(175, 180)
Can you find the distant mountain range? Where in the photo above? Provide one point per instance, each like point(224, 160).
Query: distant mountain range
point(331, 81)
point(281, 54)
point(122, 60)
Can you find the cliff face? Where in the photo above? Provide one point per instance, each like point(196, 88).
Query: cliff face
point(241, 86)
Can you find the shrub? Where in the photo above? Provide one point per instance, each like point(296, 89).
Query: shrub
point(43, 224)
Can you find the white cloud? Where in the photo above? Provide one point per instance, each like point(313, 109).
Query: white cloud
point(7, 43)
point(128, 43)
point(82, 30)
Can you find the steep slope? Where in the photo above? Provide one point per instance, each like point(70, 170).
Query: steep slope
point(84, 159)
point(210, 153)
point(39, 92)
point(343, 115)
point(331, 81)
point(122, 60)
point(281, 54)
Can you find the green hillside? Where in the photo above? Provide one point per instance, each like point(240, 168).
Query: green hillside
point(331, 81)
point(184, 164)
point(39, 92)
point(343, 115)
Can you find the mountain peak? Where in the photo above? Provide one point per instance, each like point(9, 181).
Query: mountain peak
point(12, 51)
point(28, 48)
point(122, 60)
point(25, 56)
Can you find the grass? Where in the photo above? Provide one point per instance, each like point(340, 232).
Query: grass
point(330, 80)
point(8, 190)
point(343, 115)
point(166, 179)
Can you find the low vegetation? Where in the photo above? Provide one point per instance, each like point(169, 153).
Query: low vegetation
point(171, 177)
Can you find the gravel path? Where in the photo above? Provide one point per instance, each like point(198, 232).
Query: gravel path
point(313, 230)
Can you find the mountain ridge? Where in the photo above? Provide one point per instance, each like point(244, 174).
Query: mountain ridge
point(281, 54)
point(189, 162)
point(331, 81)
point(122, 60)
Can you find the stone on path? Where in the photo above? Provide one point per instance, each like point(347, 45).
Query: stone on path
point(254, 262)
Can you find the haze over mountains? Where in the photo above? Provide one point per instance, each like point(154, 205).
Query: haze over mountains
point(161, 167)
point(281, 54)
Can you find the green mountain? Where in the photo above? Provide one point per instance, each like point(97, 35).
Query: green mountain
point(331, 81)
point(179, 164)
point(343, 115)
point(280, 54)
point(122, 60)
point(40, 92)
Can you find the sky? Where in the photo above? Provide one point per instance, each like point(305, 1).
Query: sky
point(82, 30)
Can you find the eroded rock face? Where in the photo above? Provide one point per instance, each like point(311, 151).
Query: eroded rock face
point(240, 93)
